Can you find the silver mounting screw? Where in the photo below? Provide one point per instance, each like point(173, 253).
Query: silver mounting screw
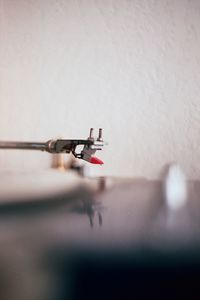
point(91, 134)
point(100, 135)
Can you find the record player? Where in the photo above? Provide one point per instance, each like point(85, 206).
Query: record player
point(67, 236)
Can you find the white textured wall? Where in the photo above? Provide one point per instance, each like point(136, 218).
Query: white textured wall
point(132, 67)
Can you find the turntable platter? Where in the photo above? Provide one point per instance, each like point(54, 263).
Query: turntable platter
point(25, 186)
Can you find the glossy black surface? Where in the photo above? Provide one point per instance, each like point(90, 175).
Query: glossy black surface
point(118, 243)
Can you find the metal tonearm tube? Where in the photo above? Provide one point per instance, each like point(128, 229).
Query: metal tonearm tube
point(90, 146)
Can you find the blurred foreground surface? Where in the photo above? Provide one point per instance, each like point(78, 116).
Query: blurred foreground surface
point(65, 237)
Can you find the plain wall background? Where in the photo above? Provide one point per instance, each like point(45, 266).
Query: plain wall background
point(131, 67)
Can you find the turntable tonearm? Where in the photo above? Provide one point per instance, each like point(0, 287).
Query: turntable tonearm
point(90, 146)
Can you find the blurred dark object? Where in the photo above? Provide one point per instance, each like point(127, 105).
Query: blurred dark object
point(74, 238)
